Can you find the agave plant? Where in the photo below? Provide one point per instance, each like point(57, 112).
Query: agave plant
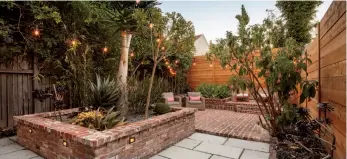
point(97, 119)
point(104, 93)
point(108, 121)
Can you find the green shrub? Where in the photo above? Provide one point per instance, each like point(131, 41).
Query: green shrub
point(161, 108)
point(213, 90)
point(138, 90)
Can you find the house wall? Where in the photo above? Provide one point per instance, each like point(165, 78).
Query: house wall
point(201, 46)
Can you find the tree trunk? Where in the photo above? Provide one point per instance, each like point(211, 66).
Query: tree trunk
point(150, 90)
point(123, 73)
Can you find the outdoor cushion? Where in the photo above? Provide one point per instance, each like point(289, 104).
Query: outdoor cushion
point(193, 94)
point(197, 98)
point(170, 99)
point(173, 103)
point(167, 94)
point(195, 102)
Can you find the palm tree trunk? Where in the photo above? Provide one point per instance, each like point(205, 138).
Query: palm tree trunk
point(123, 72)
point(150, 90)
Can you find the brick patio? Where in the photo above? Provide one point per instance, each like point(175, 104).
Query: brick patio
point(230, 124)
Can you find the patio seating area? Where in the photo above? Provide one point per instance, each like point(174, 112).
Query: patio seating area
point(158, 79)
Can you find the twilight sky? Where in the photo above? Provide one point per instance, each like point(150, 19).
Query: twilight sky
point(214, 18)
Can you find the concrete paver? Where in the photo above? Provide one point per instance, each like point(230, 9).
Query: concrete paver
point(22, 154)
point(208, 138)
point(251, 145)
point(5, 141)
point(218, 157)
point(250, 154)
point(10, 148)
point(221, 150)
point(188, 143)
point(175, 152)
point(158, 157)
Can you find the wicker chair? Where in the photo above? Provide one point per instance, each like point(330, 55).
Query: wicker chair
point(177, 100)
point(195, 104)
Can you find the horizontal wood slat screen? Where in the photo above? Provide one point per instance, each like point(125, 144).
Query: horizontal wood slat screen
point(328, 55)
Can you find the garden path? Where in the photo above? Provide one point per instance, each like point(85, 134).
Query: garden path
point(205, 146)
point(230, 124)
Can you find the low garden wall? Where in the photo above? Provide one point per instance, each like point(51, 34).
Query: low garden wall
point(250, 107)
point(216, 103)
point(55, 139)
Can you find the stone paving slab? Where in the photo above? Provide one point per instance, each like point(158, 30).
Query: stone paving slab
point(221, 150)
point(10, 149)
point(188, 143)
point(22, 154)
point(230, 124)
point(218, 157)
point(158, 157)
point(208, 138)
point(251, 145)
point(175, 152)
point(249, 154)
point(5, 141)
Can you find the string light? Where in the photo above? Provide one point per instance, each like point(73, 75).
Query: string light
point(132, 54)
point(163, 48)
point(211, 65)
point(73, 42)
point(105, 49)
point(158, 40)
point(166, 63)
point(176, 61)
point(194, 63)
point(36, 32)
point(150, 25)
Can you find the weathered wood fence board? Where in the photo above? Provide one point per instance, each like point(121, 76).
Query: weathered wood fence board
point(16, 85)
point(328, 54)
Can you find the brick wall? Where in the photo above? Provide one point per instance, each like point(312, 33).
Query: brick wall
point(46, 137)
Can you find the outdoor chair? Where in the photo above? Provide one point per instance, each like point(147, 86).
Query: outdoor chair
point(242, 97)
point(172, 100)
point(195, 100)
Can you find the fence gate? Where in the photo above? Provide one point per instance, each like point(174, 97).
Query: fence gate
point(16, 85)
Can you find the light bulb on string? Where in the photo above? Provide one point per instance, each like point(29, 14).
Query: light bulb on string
point(73, 42)
point(158, 40)
point(194, 63)
point(166, 63)
point(151, 25)
point(211, 65)
point(163, 48)
point(105, 49)
point(36, 32)
point(132, 54)
point(176, 61)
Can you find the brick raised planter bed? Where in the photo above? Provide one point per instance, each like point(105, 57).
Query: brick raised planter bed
point(55, 139)
point(216, 103)
point(245, 107)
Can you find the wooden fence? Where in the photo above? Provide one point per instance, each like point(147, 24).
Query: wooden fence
point(17, 84)
point(206, 71)
point(328, 54)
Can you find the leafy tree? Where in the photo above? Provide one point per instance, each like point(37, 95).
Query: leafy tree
point(170, 36)
point(69, 41)
point(120, 15)
point(280, 69)
point(298, 16)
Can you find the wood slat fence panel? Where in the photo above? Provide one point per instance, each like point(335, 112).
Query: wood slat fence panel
point(328, 54)
point(17, 86)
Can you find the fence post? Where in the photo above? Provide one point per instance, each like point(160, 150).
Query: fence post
point(36, 85)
